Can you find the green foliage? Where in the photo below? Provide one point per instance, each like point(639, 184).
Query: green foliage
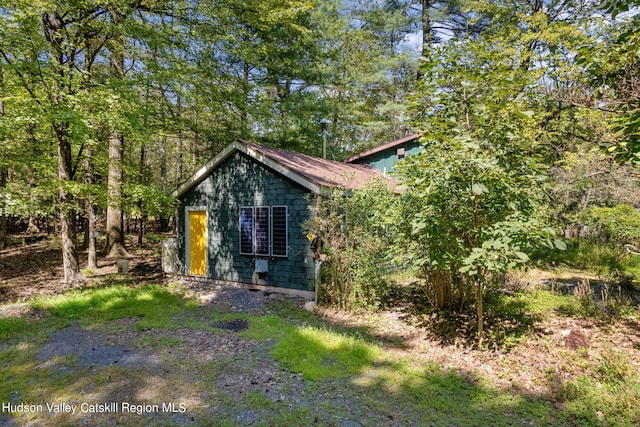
point(619, 224)
point(609, 394)
point(612, 68)
point(353, 231)
point(587, 254)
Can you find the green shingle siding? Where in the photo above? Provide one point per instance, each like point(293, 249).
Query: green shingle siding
point(385, 161)
point(241, 181)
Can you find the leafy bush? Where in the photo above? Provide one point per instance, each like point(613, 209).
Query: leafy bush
point(352, 234)
point(619, 224)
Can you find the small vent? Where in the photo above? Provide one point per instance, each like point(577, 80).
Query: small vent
point(262, 266)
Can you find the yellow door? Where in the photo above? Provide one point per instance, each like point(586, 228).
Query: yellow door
point(198, 243)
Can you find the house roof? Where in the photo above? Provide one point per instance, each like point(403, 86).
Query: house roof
point(313, 173)
point(383, 147)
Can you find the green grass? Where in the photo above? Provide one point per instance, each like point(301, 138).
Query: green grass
point(321, 353)
point(12, 327)
point(545, 302)
point(153, 304)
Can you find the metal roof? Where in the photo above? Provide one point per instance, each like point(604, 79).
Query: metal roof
point(313, 173)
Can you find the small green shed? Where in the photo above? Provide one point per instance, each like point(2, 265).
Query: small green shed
point(241, 216)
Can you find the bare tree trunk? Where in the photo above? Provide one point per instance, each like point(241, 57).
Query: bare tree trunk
point(479, 293)
point(54, 32)
point(92, 263)
point(3, 175)
point(164, 221)
point(115, 245)
point(3, 213)
point(179, 158)
point(32, 227)
point(143, 178)
point(194, 146)
point(245, 89)
point(179, 141)
point(115, 228)
point(71, 267)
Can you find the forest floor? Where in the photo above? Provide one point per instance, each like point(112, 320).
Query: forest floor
point(179, 354)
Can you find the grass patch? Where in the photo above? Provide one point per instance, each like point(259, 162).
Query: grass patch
point(12, 327)
point(153, 304)
point(544, 302)
point(321, 353)
point(269, 327)
point(258, 400)
point(608, 395)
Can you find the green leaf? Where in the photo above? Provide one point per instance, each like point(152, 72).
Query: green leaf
point(560, 245)
point(479, 188)
point(522, 256)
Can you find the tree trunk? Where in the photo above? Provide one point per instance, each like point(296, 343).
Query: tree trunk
point(115, 245)
point(54, 32)
point(115, 231)
point(426, 32)
point(3, 175)
point(479, 302)
point(3, 213)
point(32, 227)
point(144, 181)
point(89, 209)
point(179, 149)
point(71, 267)
point(164, 221)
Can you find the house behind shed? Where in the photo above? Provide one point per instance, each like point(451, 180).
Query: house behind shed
point(385, 156)
point(241, 216)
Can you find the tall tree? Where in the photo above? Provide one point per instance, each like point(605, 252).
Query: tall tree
point(614, 73)
point(115, 244)
point(3, 168)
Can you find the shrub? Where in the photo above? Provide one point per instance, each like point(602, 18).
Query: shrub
point(351, 234)
point(619, 224)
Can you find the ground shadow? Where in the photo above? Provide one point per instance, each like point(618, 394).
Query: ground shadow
point(506, 318)
point(35, 268)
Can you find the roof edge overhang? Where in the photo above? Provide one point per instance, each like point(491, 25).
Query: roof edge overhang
point(204, 171)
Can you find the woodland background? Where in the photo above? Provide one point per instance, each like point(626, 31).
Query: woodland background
point(105, 106)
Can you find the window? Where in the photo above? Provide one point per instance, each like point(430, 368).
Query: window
point(263, 230)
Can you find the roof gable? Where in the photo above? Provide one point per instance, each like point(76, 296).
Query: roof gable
point(312, 173)
point(383, 147)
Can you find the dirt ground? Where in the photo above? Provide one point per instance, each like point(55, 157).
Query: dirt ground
point(34, 268)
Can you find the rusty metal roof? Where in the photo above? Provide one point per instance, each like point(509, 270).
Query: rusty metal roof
point(323, 172)
point(313, 173)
